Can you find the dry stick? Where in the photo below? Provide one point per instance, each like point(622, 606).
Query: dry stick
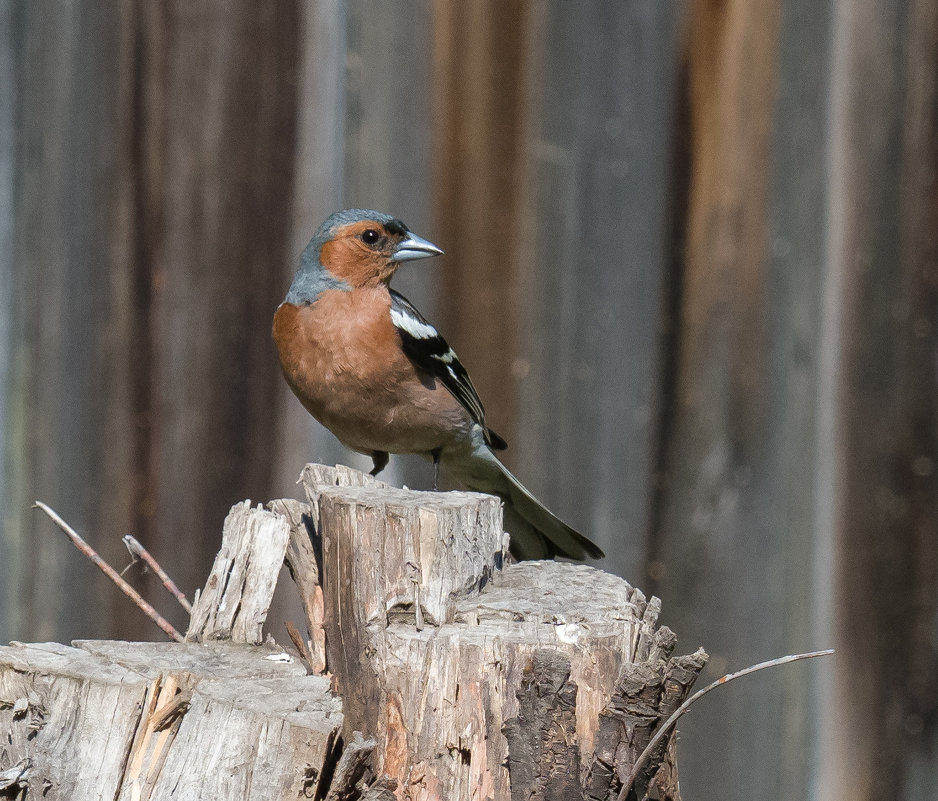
point(138, 551)
point(111, 573)
point(669, 723)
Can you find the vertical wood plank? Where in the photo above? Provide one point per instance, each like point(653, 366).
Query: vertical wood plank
point(797, 233)
point(389, 152)
point(223, 138)
point(733, 532)
point(59, 286)
point(153, 178)
point(124, 496)
point(317, 192)
point(884, 427)
point(593, 249)
point(479, 85)
point(10, 549)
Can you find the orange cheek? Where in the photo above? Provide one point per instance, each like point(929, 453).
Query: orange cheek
point(352, 264)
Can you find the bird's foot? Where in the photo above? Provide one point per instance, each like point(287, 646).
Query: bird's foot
point(380, 460)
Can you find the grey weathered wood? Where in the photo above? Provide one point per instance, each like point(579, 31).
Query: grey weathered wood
point(79, 722)
point(415, 553)
point(55, 269)
point(246, 726)
point(145, 170)
point(300, 560)
point(271, 718)
point(108, 111)
point(316, 476)
point(214, 144)
point(351, 766)
point(880, 427)
point(316, 193)
point(11, 551)
point(733, 537)
point(270, 728)
point(538, 680)
point(449, 692)
point(212, 660)
point(593, 619)
point(234, 603)
point(793, 749)
point(593, 253)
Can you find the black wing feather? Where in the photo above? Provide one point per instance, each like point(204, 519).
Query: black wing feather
point(428, 350)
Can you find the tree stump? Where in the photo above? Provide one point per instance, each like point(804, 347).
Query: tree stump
point(481, 679)
point(469, 677)
point(141, 721)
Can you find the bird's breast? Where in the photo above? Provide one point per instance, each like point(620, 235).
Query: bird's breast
point(335, 344)
point(342, 357)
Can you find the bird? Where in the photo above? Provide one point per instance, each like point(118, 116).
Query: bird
point(369, 366)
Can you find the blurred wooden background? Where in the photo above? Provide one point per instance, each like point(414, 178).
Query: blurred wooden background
point(692, 265)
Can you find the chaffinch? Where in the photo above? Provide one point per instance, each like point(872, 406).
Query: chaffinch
point(371, 369)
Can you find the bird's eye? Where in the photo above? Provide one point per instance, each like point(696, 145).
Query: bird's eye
point(370, 236)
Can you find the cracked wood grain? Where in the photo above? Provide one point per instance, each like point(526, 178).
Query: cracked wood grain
point(234, 603)
point(142, 721)
point(477, 679)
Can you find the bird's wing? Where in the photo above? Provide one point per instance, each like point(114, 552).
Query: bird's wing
point(428, 350)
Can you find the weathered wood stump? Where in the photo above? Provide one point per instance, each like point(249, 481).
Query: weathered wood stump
point(471, 678)
point(480, 680)
point(162, 721)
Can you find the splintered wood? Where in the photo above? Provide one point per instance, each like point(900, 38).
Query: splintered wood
point(140, 721)
point(452, 674)
point(234, 603)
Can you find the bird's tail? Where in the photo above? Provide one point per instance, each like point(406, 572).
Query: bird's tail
point(536, 532)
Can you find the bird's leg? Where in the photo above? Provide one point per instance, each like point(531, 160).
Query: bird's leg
point(380, 460)
point(435, 453)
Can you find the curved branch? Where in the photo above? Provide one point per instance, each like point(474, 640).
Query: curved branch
point(682, 709)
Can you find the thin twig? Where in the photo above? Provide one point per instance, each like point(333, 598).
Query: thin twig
point(138, 551)
point(111, 573)
point(682, 709)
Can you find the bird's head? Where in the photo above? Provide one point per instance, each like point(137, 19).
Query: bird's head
point(355, 248)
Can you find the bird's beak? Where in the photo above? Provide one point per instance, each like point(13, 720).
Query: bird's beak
point(415, 247)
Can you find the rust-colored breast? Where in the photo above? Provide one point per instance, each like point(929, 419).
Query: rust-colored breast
point(343, 359)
